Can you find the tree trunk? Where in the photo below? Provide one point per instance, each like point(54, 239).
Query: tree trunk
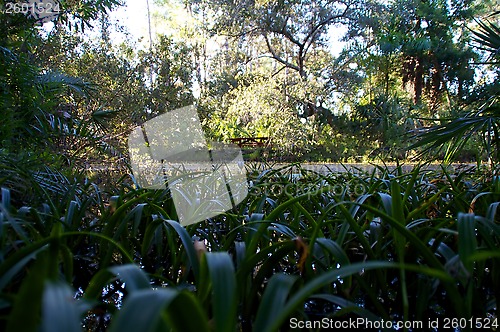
point(418, 81)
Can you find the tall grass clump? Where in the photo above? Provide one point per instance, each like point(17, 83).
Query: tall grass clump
point(382, 245)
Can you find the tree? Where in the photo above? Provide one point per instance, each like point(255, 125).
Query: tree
point(253, 109)
point(482, 119)
point(293, 34)
point(133, 85)
point(431, 40)
point(28, 90)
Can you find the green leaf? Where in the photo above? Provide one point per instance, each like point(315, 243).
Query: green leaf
point(148, 310)
point(186, 314)
point(224, 303)
point(70, 214)
point(467, 243)
point(6, 198)
point(335, 250)
point(273, 301)
point(142, 310)
point(25, 314)
point(296, 300)
point(188, 246)
point(397, 202)
point(18, 265)
point(60, 311)
point(467, 246)
point(399, 240)
point(488, 37)
point(349, 305)
point(133, 277)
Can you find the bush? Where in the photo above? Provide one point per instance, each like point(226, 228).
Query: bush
point(380, 245)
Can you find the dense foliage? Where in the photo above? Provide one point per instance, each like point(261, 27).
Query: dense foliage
point(384, 244)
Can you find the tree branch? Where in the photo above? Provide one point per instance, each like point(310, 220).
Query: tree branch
point(276, 57)
point(308, 40)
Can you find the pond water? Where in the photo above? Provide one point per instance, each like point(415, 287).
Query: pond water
point(326, 168)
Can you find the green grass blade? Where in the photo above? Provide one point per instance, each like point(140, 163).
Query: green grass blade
point(467, 246)
point(133, 277)
point(18, 265)
point(149, 235)
point(5, 198)
point(188, 246)
point(298, 298)
point(142, 310)
point(186, 314)
point(335, 250)
point(425, 205)
point(272, 303)
point(25, 313)
point(224, 291)
point(164, 309)
point(273, 216)
point(467, 243)
point(349, 305)
point(399, 240)
point(60, 311)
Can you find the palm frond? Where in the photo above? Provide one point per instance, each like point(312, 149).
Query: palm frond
point(455, 133)
point(483, 122)
point(56, 82)
point(487, 37)
point(102, 116)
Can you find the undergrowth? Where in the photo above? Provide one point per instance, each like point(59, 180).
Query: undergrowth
point(381, 245)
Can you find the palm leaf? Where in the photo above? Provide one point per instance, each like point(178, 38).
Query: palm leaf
point(488, 37)
point(56, 82)
point(457, 132)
